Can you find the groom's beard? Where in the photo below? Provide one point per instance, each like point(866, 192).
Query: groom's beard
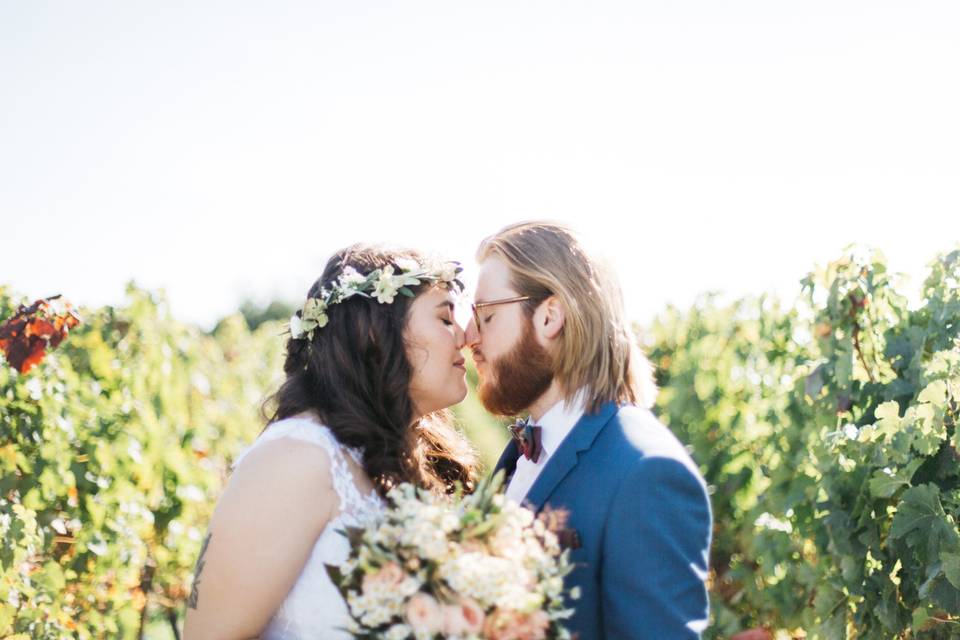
point(517, 378)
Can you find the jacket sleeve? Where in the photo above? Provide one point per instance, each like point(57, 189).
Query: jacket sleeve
point(656, 547)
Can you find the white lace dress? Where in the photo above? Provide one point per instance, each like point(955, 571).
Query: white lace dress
point(314, 607)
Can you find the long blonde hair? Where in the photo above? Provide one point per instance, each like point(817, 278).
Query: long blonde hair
point(597, 349)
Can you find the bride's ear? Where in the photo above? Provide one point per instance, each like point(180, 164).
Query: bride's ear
point(549, 318)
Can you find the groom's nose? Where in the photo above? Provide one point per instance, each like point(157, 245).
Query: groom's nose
point(471, 336)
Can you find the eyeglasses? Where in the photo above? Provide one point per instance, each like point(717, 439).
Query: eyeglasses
point(479, 305)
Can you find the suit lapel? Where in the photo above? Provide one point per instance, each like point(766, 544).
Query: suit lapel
point(561, 462)
point(508, 461)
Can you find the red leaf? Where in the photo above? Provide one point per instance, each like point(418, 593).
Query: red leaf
point(25, 337)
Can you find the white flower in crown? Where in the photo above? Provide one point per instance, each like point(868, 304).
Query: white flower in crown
point(386, 286)
point(450, 272)
point(407, 265)
point(312, 316)
point(296, 327)
point(351, 282)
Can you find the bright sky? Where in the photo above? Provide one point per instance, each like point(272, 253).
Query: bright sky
point(225, 149)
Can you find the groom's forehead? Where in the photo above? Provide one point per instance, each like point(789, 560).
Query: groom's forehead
point(494, 280)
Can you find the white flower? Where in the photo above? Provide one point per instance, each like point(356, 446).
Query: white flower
point(449, 272)
point(387, 286)
point(768, 521)
point(407, 265)
point(398, 632)
point(351, 284)
point(351, 277)
point(489, 580)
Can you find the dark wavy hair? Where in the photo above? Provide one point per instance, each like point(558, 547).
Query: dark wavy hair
point(355, 375)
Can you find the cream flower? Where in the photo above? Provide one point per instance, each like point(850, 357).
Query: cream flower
point(449, 272)
point(296, 327)
point(351, 277)
point(351, 283)
point(387, 286)
point(407, 265)
point(398, 632)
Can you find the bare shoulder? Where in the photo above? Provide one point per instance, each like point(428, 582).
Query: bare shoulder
point(276, 504)
point(285, 471)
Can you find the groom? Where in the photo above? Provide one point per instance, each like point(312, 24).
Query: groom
point(549, 338)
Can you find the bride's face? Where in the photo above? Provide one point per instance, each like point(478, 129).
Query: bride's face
point(434, 340)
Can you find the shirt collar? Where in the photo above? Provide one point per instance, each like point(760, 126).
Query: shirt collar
point(560, 419)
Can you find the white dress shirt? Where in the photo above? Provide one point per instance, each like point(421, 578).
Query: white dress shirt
point(556, 423)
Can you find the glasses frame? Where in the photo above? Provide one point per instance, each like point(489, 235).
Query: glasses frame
point(475, 307)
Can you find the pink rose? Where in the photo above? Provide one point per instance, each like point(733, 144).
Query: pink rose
point(462, 618)
point(388, 576)
point(472, 615)
point(424, 614)
point(501, 625)
point(535, 625)
point(453, 622)
point(511, 625)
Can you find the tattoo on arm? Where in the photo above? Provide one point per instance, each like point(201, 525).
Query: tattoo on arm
point(195, 592)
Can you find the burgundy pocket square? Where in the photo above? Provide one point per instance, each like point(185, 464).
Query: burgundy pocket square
point(569, 539)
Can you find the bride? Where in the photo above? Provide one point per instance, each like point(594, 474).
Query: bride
point(372, 362)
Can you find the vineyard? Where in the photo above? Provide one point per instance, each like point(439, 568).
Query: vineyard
point(825, 427)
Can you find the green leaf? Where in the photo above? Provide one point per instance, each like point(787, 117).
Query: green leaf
point(52, 577)
point(921, 521)
point(843, 368)
point(935, 393)
point(921, 615)
point(7, 614)
point(938, 589)
point(884, 484)
point(888, 411)
point(951, 568)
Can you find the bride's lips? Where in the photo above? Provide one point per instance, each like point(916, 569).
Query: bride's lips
point(460, 364)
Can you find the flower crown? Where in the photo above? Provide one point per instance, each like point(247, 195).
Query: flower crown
point(381, 284)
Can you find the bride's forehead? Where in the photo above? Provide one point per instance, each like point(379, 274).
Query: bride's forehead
point(437, 297)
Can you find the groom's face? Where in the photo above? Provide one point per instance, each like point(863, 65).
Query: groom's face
point(514, 368)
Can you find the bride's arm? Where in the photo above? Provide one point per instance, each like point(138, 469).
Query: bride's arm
point(264, 527)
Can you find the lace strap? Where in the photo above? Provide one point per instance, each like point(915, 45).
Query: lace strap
point(351, 500)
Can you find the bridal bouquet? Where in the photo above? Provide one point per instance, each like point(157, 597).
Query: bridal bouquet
point(470, 568)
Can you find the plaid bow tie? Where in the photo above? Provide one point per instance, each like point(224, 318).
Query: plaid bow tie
point(528, 439)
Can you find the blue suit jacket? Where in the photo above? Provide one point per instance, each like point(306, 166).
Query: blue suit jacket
point(642, 519)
